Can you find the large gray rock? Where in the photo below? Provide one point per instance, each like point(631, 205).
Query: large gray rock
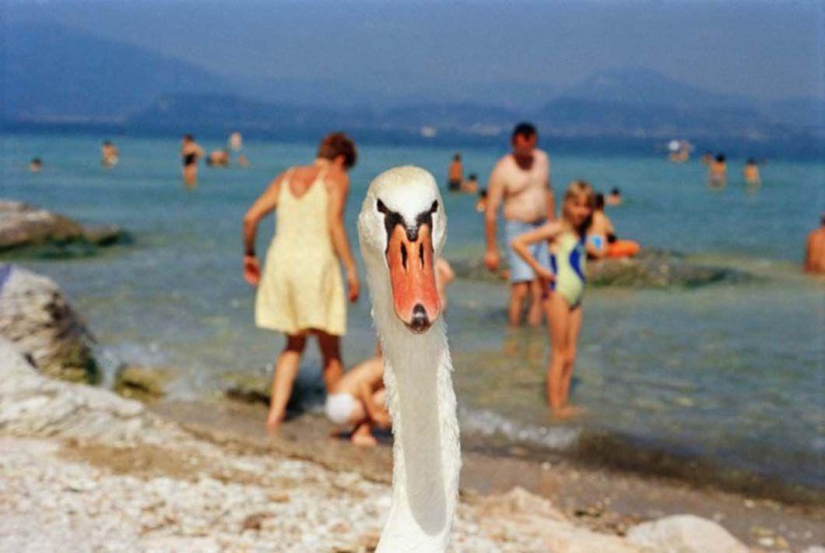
point(26, 227)
point(684, 534)
point(32, 404)
point(35, 316)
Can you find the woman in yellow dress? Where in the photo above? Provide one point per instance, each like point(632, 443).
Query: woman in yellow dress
point(300, 291)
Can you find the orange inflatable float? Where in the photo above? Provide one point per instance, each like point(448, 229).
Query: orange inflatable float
point(622, 248)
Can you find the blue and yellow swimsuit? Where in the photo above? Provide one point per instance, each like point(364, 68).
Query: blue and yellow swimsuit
point(568, 264)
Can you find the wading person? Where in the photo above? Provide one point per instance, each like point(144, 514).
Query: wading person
point(300, 291)
point(520, 181)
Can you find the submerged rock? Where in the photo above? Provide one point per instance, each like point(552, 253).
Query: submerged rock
point(649, 269)
point(657, 269)
point(47, 234)
point(684, 534)
point(252, 388)
point(141, 382)
point(38, 320)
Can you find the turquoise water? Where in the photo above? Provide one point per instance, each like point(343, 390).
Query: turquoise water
point(729, 373)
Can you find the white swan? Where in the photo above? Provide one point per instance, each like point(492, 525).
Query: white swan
point(401, 228)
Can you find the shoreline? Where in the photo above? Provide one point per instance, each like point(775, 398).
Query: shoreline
point(604, 500)
point(82, 468)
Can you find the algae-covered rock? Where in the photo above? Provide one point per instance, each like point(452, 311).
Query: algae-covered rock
point(649, 269)
point(657, 269)
point(142, 383)
point(38, 320)
point(252, 388)
point(42, 233)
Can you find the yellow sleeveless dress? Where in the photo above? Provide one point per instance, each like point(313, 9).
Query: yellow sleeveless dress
point(301, 286)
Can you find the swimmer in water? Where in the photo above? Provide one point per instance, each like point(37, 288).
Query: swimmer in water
point(718, 172)
point(108, 154)
point(455, 174)
point(614, 198)
point(815, 249)
point(470, 186)
point(563, 283)
point(190, 153)
point(481, 204)
point(751, 173)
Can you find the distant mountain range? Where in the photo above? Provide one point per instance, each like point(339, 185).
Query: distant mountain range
point(51, 73)
point(55, 76)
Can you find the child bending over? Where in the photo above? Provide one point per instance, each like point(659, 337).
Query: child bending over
point(359, 399)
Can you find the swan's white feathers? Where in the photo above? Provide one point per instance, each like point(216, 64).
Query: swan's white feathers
point(426, 451)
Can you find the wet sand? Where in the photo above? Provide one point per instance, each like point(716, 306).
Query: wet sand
point(603, 499)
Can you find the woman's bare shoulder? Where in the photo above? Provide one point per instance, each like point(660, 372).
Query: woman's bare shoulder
point(336, 177)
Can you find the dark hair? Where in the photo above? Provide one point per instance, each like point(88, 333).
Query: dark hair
point(483, 194)
point(616, 192)
point(107, 142)
point(189, 137)
point(720, 158)
point(473, 176)
point(751, 161)
point(36, 161)
point(527, 130)
point(598, 203)
point(338, 144)
point(457, 157)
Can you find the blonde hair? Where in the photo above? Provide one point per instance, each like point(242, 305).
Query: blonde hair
point(575, 190)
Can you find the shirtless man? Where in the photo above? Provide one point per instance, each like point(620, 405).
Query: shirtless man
point(815, 249)
point(521, 180)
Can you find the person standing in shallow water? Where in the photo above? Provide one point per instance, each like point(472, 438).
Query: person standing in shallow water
point(455, 174)
point(815, 249)
point(521, 181)
point(563, 283)
point(300, 291)
point(108, 154)
point(190, 153)
point(751, 173)
point(718, 172)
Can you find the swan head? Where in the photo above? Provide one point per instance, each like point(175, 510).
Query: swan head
point(402, 229)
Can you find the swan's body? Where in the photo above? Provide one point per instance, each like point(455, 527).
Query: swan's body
point(402, 227)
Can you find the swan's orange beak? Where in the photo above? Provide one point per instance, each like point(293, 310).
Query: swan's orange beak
point(412, 274)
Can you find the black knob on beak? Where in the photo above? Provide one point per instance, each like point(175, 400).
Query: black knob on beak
point(420, 321)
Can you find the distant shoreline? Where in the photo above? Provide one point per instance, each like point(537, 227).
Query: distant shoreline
point(801, 148)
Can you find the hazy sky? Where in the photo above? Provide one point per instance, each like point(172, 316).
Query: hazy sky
point(764, 49)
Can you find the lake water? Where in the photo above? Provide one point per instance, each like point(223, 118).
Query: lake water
point(731, 375)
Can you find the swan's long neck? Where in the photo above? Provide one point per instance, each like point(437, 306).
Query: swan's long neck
point(426, 456)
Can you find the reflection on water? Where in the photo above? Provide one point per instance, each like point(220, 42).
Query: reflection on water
point(731, 372)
